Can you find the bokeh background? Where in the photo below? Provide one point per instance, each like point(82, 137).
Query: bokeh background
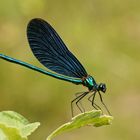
point(104, 36)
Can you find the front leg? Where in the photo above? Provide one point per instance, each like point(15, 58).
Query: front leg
point(104, 103)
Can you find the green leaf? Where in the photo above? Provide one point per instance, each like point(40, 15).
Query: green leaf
point(91, 118)
point(14, 126)
point(3, 135)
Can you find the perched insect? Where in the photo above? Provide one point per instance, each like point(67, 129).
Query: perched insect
point(51, 51)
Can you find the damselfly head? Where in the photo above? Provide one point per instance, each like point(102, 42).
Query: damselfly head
point(102, 87)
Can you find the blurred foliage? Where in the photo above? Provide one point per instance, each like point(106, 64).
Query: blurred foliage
point(104, 35)
point(14, 126)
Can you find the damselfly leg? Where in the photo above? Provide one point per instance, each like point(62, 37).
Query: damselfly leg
point(92, 100)
point(78, 94)
point(104, 103)
point(77, 100)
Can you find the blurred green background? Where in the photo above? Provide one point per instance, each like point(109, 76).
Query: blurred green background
point(104, 36)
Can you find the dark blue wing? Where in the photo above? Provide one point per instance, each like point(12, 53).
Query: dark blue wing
point(50, 50)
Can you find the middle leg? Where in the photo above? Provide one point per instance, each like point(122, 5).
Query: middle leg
point(91, 99)
point(77, 100)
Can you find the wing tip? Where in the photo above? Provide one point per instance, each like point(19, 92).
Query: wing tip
point(36, 21)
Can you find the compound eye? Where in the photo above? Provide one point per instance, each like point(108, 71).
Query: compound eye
point(103, 87)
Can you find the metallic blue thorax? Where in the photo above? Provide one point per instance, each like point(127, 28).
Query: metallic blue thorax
point(90, 83)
